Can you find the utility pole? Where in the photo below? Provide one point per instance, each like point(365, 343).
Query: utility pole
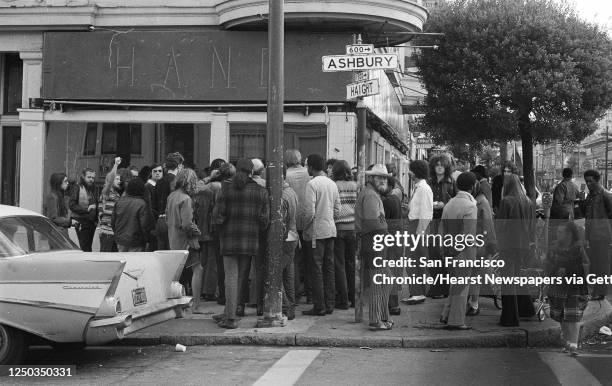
point(273, 298)
point(606, 167)
point(360, 271)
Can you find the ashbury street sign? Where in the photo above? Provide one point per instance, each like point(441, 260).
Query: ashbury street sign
point(361, 89)
point(333, 63)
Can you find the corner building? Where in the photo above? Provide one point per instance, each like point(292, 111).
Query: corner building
point(84, 81)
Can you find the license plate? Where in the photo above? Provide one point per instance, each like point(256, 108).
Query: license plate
point(139, 295)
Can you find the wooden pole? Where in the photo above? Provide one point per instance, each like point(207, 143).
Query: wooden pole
point(360, 272)
point(273, 316)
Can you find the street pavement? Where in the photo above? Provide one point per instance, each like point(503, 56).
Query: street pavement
point(261, 365)
point(417, 326)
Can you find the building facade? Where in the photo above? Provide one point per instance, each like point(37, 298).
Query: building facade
point(84, 81)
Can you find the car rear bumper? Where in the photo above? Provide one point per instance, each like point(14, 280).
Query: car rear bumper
point(157, 313)
point(105, 330)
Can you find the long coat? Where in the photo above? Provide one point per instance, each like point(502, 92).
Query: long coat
point(515, 223)
point(241, 214)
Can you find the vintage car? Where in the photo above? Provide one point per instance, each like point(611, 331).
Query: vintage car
point(49, 289)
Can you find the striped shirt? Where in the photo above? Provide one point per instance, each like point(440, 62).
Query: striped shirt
point(348, 198)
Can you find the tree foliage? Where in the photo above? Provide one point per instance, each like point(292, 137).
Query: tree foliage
point(509, 69)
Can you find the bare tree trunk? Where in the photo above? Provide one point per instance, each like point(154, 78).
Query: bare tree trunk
point(527, 141)
point(503, 152)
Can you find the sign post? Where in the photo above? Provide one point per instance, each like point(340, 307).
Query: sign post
point(360, 58)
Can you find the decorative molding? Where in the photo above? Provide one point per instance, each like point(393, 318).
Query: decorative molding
point(42, 18)
point(31, 115)
point(31, 55)
point(65, 15)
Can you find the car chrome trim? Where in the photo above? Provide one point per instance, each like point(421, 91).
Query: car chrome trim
point(115, 281)
point(119, 321)
point(59, 306)
point(67, 282)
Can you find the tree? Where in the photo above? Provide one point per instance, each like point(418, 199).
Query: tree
point(489, 157)
point(510, 69)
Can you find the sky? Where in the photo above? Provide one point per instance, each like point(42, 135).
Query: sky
point(596, 11)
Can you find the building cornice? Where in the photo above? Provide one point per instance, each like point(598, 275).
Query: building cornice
point(37, 15)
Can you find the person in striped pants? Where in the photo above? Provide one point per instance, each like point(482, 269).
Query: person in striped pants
point(370, 225)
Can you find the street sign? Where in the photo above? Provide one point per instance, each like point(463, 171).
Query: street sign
point(361, 76)
point(600, 163)
point(360, 49)
point(334, 63)
point(361, 89)
point(424, 143)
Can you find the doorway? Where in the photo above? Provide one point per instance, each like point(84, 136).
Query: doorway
point(178, 137)
point(11, 153)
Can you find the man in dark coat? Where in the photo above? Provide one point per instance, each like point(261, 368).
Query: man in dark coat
point(83, 207)
point(241, 212)
point(165, 186)
point(131, 220)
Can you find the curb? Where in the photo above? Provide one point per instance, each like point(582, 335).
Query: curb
point(514, 338)
point(538, 336)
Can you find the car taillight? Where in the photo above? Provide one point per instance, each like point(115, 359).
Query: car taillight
point(111, 306)
point(177, 290)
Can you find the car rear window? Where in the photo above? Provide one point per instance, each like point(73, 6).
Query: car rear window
point(20, 235)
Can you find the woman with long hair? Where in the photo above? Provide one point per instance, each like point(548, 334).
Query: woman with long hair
point(55, 203)
point(242, 211)
point(484, 226)
point(179, 211)
point(515, 221)
point(497, 184)
point(183, 232)
point(345, 243)
point(443, 189)
point(114, 185)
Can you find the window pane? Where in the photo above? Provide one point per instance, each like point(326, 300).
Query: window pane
point(13, 78)
point(109, 138)
point(90, 139)
point(247, 141)
point(30, 234)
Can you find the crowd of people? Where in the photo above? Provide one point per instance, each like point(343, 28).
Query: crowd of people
point(221, 213)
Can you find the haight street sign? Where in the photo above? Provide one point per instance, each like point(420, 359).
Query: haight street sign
point(333, 63)
point(361, 89)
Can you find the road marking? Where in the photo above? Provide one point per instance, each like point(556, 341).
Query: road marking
point(288, 369)
point(583, 355)
point(568, 370)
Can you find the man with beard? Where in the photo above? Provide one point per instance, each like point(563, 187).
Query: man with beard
point(83, 206)
point(370, 222)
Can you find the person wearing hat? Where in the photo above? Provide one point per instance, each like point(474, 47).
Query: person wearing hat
point(370, 222)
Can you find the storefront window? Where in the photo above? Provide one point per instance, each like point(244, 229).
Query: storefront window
point(249, 140)
point(90, 139)
point(13, 79)
point(121, 138)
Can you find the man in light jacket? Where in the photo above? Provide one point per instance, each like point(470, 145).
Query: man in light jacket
point(321, 208)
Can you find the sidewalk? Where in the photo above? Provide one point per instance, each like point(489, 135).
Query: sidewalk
point(417, 326)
